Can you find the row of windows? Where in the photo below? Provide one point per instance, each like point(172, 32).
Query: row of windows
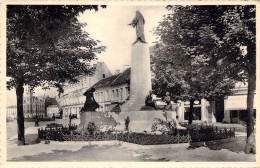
point(118, 94)
point(72, 101)
point(82, 83)
point(11, 111)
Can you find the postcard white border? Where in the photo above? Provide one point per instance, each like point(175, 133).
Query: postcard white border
point(3, 148)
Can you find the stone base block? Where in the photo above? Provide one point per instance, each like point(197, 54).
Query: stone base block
point(141, 121)
point(100, 119)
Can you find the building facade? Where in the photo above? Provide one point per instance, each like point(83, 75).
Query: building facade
point(53, 110)
point(203, 111)
point(32, 105)
point(36, 106)
point(235, 106)
point(112, 91)
point(72, 99)
point(11, 112)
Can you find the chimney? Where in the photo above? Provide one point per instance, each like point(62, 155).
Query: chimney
point(117, 71)
point(125, 67)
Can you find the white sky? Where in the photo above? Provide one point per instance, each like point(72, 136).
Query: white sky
point(110, 26)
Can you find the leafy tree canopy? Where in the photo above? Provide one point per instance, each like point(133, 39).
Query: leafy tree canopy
point(46, 44)
point(198, 53)
point(203, 50)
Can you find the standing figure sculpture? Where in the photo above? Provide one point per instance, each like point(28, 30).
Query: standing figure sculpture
point(90, 103)
point(138, 23)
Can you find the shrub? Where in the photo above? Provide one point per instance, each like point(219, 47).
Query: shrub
point(91, 128)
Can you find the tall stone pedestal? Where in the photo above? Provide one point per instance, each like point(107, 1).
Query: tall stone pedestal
point(140, 82)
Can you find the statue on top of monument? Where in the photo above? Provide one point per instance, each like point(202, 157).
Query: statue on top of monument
point(138, 23)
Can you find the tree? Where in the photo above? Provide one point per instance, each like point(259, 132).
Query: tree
point(45, 47)
point(183, 65)
point(240, 48)
point(218, 34)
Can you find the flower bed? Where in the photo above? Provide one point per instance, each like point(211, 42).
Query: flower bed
point(150, 139)
point(194, 133)
point(200, 133)
point(137, 138)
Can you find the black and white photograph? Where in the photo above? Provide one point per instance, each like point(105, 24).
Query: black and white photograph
point(130, 82)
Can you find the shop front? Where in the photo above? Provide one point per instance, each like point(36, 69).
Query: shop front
point(203, 111)
point(236, 109)
point(196, 115)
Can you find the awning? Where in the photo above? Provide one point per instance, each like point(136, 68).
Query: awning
point(237, 103)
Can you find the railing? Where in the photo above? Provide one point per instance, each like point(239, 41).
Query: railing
point(87, 137)
point(62, 134)
point(215, 134)
point(149, 139)
point(195, 135)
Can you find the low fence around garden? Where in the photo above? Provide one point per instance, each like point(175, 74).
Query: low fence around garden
point(137, 138)
point(220, 134)
point(210, 133)
point(59, 133)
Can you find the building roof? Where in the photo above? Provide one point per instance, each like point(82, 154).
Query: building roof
point(51, 101)
point(118, 79)
point(12, 106)
point(105, 82)
point(52, 106)
point(123, 78)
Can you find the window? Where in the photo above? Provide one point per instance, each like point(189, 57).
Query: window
point(127, 91)
point(97, 97)
point(117, 93)
point(113, 94)
point(106, 96)
point(121, 94)
point(101, 97)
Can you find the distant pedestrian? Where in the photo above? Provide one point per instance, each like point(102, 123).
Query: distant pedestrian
point(127, 121)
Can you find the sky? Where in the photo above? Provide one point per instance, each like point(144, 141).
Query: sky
point(110, 27)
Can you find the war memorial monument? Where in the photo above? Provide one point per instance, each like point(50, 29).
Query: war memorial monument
point(140, 86)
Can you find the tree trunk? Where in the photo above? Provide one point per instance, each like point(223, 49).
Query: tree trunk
point(250, 143)
point(20, 117)
point(191, 111)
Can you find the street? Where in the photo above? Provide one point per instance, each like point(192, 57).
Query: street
point(122, 151)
